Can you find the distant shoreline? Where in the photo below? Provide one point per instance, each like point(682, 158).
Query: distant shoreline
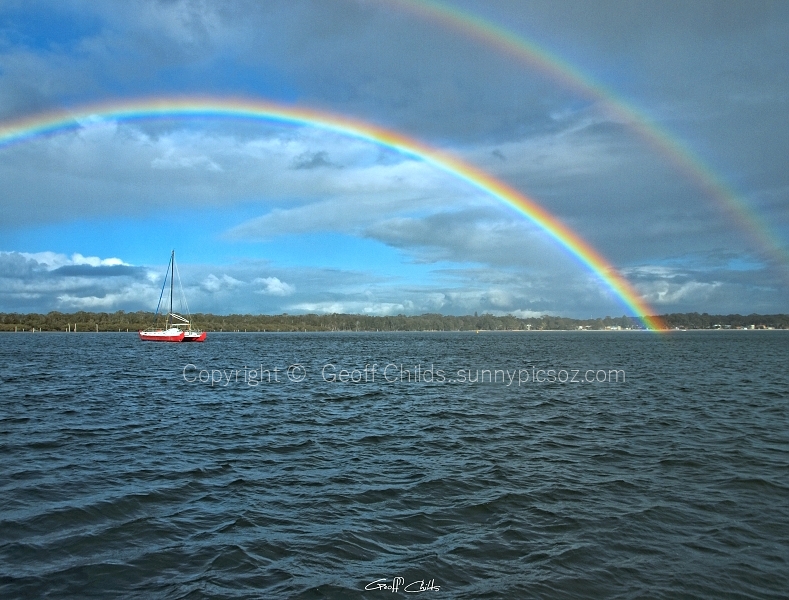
point(367, 331)
point(91, 322)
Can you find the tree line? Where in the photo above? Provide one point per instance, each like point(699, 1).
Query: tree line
point(134, 321)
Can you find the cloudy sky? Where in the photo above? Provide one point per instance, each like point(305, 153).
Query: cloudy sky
point(271, 218)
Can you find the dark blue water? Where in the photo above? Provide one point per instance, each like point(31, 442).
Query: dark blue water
point(121, 478)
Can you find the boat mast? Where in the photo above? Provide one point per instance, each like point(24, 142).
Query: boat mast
point(172, 271)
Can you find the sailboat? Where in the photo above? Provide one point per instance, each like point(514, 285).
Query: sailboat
point(176, 327)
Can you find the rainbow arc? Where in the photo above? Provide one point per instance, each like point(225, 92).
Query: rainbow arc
point(181, 107)
point(674, 151)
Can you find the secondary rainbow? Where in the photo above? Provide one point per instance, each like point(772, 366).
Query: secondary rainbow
point(567, 75)
point(60, 121)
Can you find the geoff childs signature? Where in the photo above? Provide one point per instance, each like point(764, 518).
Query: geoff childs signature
point(412, 588)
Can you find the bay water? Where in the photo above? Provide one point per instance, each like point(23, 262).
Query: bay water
point(367, 465)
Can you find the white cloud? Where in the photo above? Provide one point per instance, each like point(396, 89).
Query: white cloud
point(53, 260)
point(355, 307)
point(274, 287)
point(108, 302)
point(527, 314)
point(212, 283)
point(661, 293)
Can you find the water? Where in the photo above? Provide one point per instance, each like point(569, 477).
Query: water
point(120, 478)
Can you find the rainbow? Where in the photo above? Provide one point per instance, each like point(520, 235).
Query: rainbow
point(55, 122)
point(572, 78)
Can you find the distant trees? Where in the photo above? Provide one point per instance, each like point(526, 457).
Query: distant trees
point(133, 321)
point(84, 321)
point(706, 321)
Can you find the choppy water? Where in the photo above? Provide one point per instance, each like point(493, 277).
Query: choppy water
point(119, 478)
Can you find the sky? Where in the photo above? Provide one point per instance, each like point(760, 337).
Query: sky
point(269, 217)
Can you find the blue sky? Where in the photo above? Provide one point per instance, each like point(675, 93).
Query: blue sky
point(268, 218)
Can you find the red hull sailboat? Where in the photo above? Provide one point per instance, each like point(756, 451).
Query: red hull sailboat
point(176, 328)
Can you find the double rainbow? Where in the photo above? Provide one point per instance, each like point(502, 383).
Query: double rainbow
point(56, 122)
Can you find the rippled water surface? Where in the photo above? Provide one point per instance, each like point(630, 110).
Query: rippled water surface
point(123, 477)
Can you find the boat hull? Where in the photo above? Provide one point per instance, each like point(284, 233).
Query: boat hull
point(169, 335)
point(194, 336)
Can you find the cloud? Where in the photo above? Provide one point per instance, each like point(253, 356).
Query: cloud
point(354, 307)
point(28, 284)
point(184, 162)
point(708, 283)
point(213, 284)
point(313, 160)
point(482, 235)
point(106, 302)
point(95, 271)
point(55, 261)
point(48, 281)
point(272, 286)
point(130, 171)
point(664, 293)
